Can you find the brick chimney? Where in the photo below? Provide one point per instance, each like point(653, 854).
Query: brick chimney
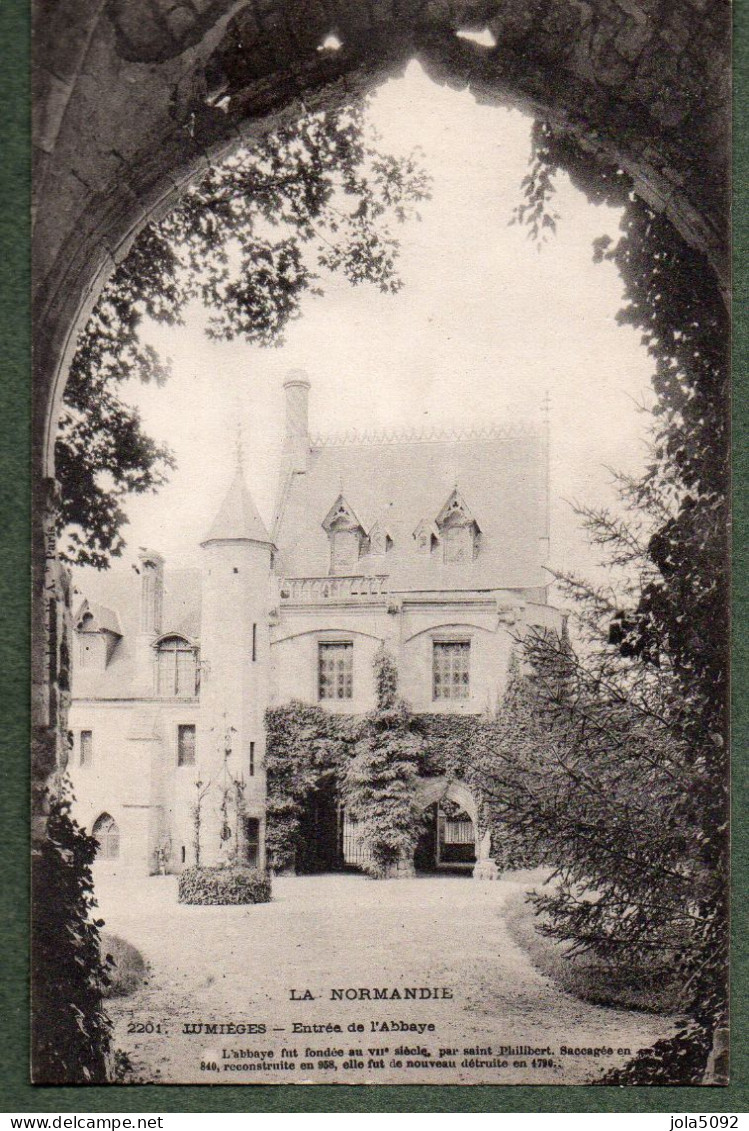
point(296, 431)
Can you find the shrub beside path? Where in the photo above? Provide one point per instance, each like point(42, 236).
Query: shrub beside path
point(238, 965)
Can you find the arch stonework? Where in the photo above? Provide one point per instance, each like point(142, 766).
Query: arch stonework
point(134, 97)
point(439, 789)
point(127, 93)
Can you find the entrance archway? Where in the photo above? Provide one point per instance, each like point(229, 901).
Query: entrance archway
point(450, 837)
point(134, 97)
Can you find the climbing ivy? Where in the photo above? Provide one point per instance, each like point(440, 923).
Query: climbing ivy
point(379, 783)
point(307, 745)
point(304, 743)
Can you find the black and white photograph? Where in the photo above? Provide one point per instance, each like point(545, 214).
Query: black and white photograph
point(380, 534)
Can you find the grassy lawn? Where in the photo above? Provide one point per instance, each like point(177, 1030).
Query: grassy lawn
point(320, 933)
point(583, 975)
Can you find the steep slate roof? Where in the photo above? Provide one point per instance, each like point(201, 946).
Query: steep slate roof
point(500, 477)
point(120, 589)
point(238, 518)
point(396, 484)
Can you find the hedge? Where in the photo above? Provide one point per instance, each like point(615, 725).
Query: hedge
point(222, 885)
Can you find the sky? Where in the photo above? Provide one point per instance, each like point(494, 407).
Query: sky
point(485, 325)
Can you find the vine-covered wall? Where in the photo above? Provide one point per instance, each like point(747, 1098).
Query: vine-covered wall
point(307, 746)
point(304, 746)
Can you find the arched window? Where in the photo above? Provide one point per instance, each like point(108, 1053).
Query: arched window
point(176, 667)
point(106, 831)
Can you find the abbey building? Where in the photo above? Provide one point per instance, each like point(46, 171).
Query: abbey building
point(430, 545)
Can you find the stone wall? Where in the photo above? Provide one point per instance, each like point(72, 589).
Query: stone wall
point(51, 659)
point(132, 96)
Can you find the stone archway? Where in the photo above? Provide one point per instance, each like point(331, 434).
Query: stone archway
point(439, 789)
point(434, 790)
point(133, 98)
point(136, 96)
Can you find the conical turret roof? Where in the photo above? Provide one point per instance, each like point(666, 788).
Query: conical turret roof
point(238, 519)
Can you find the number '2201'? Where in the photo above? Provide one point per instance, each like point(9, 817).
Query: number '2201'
point(144, 1027)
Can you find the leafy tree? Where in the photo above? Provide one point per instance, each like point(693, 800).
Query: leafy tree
point(379, 783)
point(676, 623)
point(71, 1033)
point(594, 768)
point(594, 777)
point(249, 241)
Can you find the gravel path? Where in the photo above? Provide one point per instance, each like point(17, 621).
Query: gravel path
point(238, 966)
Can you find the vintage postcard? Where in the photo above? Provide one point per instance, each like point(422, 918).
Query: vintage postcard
point(380, 543)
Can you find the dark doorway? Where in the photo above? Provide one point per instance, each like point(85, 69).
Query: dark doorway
point(425, 855)
point(319, 834)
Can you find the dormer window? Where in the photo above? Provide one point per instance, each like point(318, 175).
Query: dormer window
point(425, 537)
point(89, 644)
point(344, 552)
point(97, 632)
point(380, 542)
point(176, 668)
point(459, 532)
point(345, 536)
point(457, 543)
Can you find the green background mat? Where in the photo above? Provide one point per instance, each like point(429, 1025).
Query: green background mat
point(16, 1094)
